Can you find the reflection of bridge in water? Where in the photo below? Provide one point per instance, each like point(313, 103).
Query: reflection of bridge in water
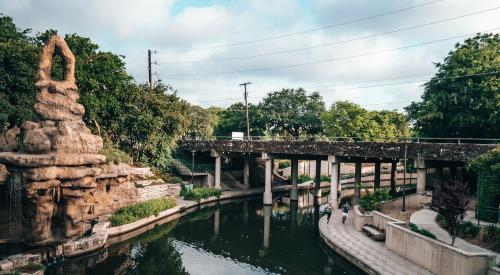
point(424, 156)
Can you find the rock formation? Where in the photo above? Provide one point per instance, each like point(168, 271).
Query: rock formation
point(57, 160)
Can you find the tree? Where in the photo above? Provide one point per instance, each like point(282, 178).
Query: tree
point(202, 121)
point(347, 119)
point(293, 112)
point(233, 119)
point(450, 199)
point(454, 106)
point(487, 169)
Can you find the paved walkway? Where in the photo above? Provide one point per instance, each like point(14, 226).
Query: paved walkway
point(426, 218)
point(373, 254)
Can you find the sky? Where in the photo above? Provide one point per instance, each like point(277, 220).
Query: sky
point(376, 53)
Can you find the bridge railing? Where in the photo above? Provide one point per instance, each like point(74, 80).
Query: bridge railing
point(357, 139)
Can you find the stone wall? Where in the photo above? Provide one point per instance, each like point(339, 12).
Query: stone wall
point(435, 256)
point(158, 191)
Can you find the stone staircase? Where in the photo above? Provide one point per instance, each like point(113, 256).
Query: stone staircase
point(229, 182)
point(184, 170)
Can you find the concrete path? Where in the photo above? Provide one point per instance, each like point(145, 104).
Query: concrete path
point(351, 243)
point(426, 218)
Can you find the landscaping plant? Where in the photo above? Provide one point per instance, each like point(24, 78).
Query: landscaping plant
point(370, 201)
point(199, 193)
point(141, 210)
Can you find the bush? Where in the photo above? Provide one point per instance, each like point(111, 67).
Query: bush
point(370, 201)
point(284, 164)
point(303, 178)
point(468, 230)
point(487, 168)
point(113, 154)
point(325, 178)
point(142, 210)
point(422, 231)
point(175, 180)
point(199, 193)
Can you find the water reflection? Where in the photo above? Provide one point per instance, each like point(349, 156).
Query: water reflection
point(234, 238)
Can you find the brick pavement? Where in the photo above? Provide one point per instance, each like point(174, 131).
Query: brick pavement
point(354, 244)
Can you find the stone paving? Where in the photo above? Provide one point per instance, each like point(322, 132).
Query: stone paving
point(373, 254)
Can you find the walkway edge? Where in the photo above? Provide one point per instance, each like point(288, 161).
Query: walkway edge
point(345, 254)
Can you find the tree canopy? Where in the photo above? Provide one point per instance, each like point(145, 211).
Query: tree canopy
point(293, 112)
point(455, 106)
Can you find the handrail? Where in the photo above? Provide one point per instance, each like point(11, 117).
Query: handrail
point(446, 140)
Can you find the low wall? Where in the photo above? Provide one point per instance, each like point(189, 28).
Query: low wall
point(361, 219)
point(433, 255)
point(414, 201)
point(380, 220)
point(158, 191)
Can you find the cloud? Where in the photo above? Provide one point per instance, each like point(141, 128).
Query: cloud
point(131, 27)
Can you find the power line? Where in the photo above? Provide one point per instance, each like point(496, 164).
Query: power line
point(306, 31)
point(325, 60)
point(385, 84)
point(329, 44)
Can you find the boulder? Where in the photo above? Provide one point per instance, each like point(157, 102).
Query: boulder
point(36, 141)
point(78, 143)
point(8, 140)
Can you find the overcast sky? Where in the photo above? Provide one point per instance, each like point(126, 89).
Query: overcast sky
point(340, 71)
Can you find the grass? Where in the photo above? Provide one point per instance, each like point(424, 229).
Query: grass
point(142, 210)
point(199, 193)
point(422, 231)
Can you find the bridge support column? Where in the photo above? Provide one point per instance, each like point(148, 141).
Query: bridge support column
point(294, 193)
point(394, 166)
point(217, 171)
point(267, 209)
point(246, 173)
point(334, 181)
point(268, 195)
point(357, 182)
point(376, 180)
point(317, 180)
point(420, 165)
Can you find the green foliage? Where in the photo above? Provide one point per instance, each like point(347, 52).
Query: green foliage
point(114, 154)
point(487, 168)
point(303, 178)
point(347, 119)
point(142, 210)
point(422, 231)
point(324, 178)
point(285, 164)
point(199, 193)
point(175, 180)
point(233, 119)
point(468, 230)
point(293, 112)
point(455, 106)
point(371, 201)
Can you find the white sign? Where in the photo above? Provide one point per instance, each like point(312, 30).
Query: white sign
point(237, 135)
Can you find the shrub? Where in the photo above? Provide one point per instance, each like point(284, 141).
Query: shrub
point(487, 168)
point(422, 231)
point(370, 201)
point(175, 180)
point(325, 178)
point(141, 210)
point(199, 193)
point(284, 164)
point(113, 154)
point(303, 178)
point(468, 230)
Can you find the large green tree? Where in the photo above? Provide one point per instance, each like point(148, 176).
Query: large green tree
point(293, 112)
point(347, 119)
point(233, 119)
point(457, 105)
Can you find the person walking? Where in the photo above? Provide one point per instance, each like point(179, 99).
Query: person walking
point(328, 210)
point(345, 212)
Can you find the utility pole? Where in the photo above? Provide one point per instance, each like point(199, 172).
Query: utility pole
point(246, 107)
point(150, 74)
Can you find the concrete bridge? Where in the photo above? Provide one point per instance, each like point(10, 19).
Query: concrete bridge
point(423, 154)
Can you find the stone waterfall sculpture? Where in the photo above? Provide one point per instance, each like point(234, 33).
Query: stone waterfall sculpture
point(57, 160)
